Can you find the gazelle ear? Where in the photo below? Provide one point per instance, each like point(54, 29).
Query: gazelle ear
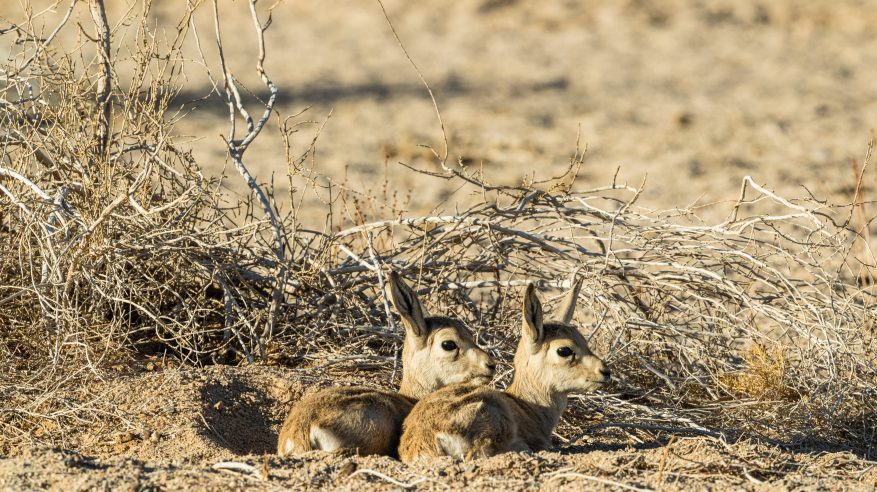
point(567, 308)
point(532, 329)
point(408, 305)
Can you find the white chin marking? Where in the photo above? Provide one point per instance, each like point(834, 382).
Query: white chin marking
point(452, 445)
point(588, 386)
point(324, 440)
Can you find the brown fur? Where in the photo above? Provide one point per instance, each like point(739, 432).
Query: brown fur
point(469, 421)
point(369, 421)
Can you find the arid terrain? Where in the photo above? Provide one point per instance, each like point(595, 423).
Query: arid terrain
point(683, 98)
point(689, 96)
point(171, 426)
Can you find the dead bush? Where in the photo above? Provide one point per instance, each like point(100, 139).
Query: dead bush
point(764, 375)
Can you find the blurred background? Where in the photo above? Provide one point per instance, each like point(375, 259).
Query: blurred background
point(693, 94)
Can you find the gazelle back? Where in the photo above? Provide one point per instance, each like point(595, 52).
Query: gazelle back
point(437, 351)
point(467, 421)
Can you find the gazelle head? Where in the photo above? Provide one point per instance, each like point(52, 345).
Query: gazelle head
point(553, 355)
point(437, 350)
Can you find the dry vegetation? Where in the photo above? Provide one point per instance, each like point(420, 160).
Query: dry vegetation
point(118, 251)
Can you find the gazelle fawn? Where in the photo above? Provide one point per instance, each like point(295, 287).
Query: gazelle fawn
point(437, 351)
point(467, 421)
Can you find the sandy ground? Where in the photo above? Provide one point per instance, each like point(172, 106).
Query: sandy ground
point(165, 429)
point(693, 94)
point(690, 95)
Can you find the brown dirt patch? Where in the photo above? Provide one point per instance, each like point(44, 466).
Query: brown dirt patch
point(169, 427)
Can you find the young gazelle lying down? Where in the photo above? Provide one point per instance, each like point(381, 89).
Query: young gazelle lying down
point(437, 351)
point(468, 421)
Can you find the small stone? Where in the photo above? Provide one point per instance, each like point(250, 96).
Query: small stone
point(347, 468)
point(125, 437)
point(218, 405)
point(685, 119)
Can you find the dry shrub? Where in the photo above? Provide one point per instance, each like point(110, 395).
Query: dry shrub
point(116, 246)
point(114, 243)
point(764, 376)
point(114, 238)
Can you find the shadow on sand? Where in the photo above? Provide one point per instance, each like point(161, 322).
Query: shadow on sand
point(238, 416)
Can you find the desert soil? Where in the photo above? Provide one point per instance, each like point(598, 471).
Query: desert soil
point(689, 96)
point(164, 429)
point(693, 94)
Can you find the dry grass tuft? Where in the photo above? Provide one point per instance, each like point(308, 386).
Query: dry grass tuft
point(764, 376)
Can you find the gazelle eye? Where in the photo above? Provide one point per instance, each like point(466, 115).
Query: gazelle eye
point(564, 351)
point(449, 345)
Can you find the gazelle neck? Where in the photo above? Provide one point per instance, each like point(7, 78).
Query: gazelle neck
point(543, 406)
point(410, 387)
point(413, 385)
